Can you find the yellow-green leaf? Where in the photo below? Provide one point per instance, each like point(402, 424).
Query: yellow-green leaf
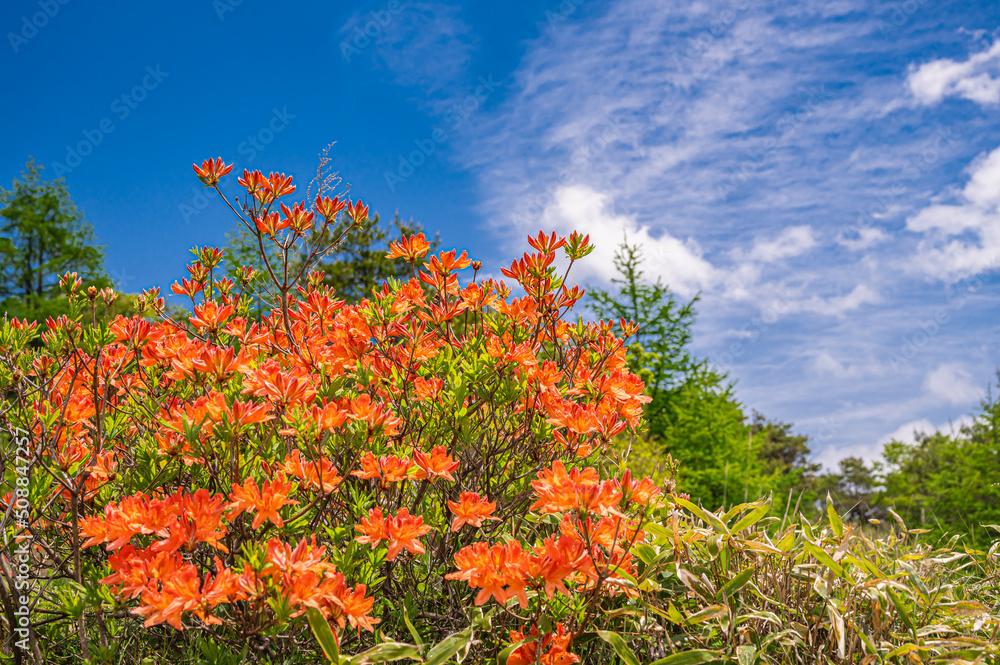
point(618, 644)
point(324, 635)
point(751, 518)
point(686, 658)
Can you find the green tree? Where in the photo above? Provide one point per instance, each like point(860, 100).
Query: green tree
point(44, 235)
point(785, 465)
point(693, 414)
point(948, 482)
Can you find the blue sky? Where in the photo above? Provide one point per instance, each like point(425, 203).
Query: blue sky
point(825, 174)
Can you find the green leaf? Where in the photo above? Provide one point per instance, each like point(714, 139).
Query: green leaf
point(746, 654)
point(748, 520)
point(618, 644)
point(410, 627)
point(645, 553)
point(904, 614)
point(321, 630)
point(705, 516)
point(835, 522)
point(686, 658)
point(738, 582)
point(387, 652)
point(707, 614)
point(824, 558)
point(448, 647)
point(506, 653)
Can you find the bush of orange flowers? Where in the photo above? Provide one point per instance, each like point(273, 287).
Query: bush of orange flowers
point(422, 475)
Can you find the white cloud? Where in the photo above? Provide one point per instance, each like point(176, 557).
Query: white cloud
point(791, 242)
point(825, 364)
point(907, 432)
point(962, 239)
point(953, 383)
point(677, 262)
point(976, 79)
point(860, 295)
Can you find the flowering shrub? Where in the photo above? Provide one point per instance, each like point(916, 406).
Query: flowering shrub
point(372, 470)
point(424, 475)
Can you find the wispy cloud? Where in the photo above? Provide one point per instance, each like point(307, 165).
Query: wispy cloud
point(759, 154)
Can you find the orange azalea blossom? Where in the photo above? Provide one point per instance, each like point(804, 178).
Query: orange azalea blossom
point(373, 529)
point(559, 491)
point(211, 170)
point(640, 492)
point(389, 469)
point(199, 520)
point(554, 648)
point(410, 249)
point(439, 464)
point(470, 509)
point(320, 474)
point(265, 501)
point(402, 531)
point(427, 389)
point(134, 515)
point(210, 315)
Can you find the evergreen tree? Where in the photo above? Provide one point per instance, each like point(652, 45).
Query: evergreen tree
point(693, 415)
point(42, 236)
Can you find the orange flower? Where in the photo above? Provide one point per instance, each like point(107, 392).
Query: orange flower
point(445, 263)
point(554, 648)
point(210, 315)
point(369, 467)
point(211, 170)
point(402, 531)
point(329, 208)
point(320, 474)
point(358, 211)
point(559, 491)
point(356, 607)
point(427, 389)
point(413, 248)
point(393, 469)
point(265, 501)
point(470, 509)
point(439, 464)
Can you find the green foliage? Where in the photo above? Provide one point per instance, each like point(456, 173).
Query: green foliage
point(42, 236)
point(739, 586)
point(693, 414)
point(949, 482)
